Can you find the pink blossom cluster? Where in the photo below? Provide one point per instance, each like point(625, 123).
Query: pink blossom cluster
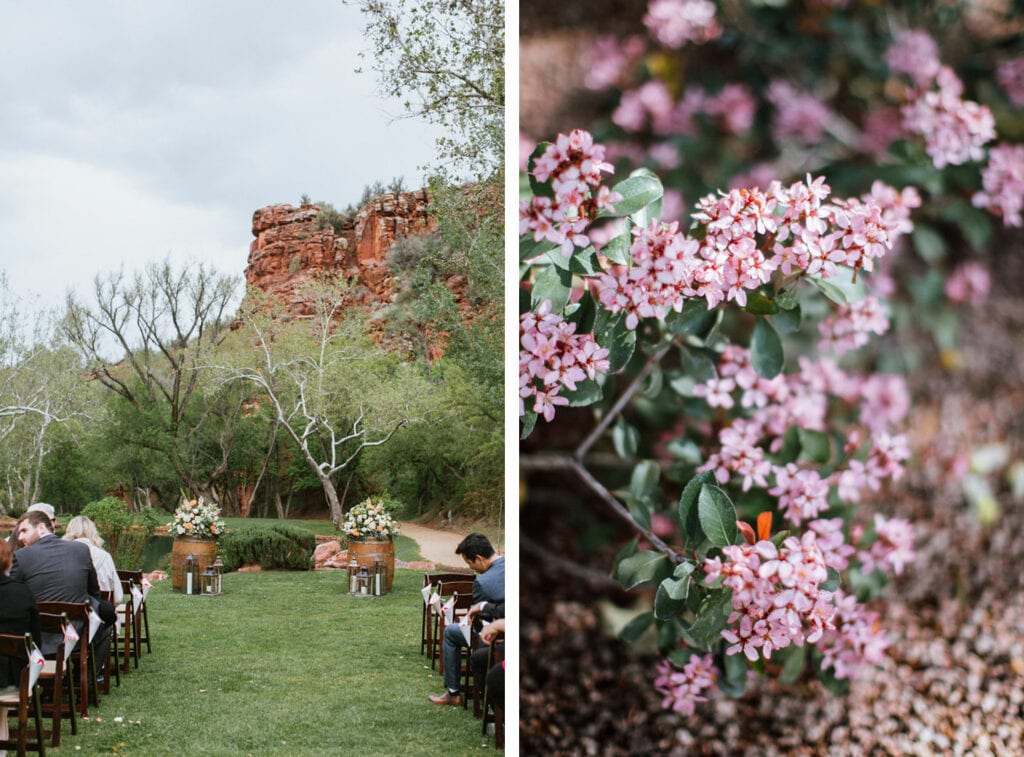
point(1002, 183)
point(675, 23)
point(805, 235)
point(552, 356)
point(954, 130)
point(574, 164)
point(832, 542)
point(1010, 74)
point(915, 54)
point(968, 283)
point(802, 493)
point(803, 399)
point(655, 282)
point(651, 105)
point(682, 689)
point(799, 116)
point(776, 598)
point(848, 328)
point(893, 548)
point(610, 59)
point(885, 459)
point(856, 639)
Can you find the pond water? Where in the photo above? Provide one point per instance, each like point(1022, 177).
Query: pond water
point(157, 553)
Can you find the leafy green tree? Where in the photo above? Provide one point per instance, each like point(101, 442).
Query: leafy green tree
point(332, 390)
point(445, 61)
point(162, 327)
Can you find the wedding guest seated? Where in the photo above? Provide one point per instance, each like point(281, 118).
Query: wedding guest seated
point(82, 528)
point(488, 591)
point(60, 571)
point(18, 615)
point(478, 660)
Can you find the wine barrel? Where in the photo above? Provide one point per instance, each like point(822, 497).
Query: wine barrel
point(366, 554)
point(204, 551)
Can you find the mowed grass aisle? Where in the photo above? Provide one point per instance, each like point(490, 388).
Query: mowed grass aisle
point(283, 663)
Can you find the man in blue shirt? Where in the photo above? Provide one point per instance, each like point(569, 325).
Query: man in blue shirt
point(488, 592)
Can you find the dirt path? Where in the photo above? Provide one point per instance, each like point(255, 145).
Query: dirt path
point(435, 545)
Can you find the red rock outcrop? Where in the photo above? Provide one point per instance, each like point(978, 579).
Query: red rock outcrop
point(293, 246)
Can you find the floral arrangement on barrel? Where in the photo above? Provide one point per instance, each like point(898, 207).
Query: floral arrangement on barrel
point(197, 518)
point(371, 519)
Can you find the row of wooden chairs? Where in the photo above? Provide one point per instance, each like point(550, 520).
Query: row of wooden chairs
point(460, 587)
point(71, 659)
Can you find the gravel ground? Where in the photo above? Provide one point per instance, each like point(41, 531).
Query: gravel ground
point(953, 683)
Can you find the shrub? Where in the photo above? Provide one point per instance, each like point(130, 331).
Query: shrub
point(124, 532)
point(277, 547)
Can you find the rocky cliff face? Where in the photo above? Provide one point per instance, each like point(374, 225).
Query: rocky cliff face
point(292, 248)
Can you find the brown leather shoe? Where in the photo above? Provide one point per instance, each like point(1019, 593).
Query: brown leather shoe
point(452, 700)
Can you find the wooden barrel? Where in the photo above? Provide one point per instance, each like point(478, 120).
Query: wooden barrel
point(366, 554)
point(204, 551)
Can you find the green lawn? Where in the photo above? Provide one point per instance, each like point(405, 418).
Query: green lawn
point(281, 664)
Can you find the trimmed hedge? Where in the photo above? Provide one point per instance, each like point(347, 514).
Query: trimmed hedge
point(280, 547)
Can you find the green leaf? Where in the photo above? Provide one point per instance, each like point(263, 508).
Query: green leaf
point(717, 515)
point(832, 582)
point(529, 249)
point(529, 421)
point(839, 687)
point(814, 445)
point(760, 304)
point(929, 244)
point(694, 318)
point(643, 484)
point(554, 284)
point(617, 250)
point(611, 333)
point(587, 393)
point(635, 628)
point(711, 619)
point(640, 568)
point(689, 517)
point(830, 290)
point(666, 606)
point(625, 439)
point(787, 299)
point(686, 450)
point(734, 678)
point(766, 350)
point(637, 192)
point(788, 321)
point(794, 660)
point(539, 189)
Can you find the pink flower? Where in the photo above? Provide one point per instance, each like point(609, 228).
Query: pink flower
point(1003, 183)
point(610, 59)
point(682, 689)
point(734, 106)
point(969, 283)
point(802, 493)
point(954, 130)
point(799, 116)
point(673, 23)
point(915, 54)
point(849, 327)
point(1010, 74)
point(855, 641)
point(552, 357)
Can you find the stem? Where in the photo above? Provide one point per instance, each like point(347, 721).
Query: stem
point(616, 409)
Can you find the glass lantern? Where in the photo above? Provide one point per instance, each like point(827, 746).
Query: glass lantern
point(353, 571)
point(378, 577)
point(363, 582)
point(191, 572)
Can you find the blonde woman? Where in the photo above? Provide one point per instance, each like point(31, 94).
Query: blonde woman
point(81, 528)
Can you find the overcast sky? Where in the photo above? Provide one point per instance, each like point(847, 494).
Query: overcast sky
point(130, 131)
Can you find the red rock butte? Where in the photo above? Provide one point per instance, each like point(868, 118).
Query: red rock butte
point(294, 246)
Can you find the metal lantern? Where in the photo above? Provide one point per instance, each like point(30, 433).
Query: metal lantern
point(210, 579)
point(363, 582)
point(191, 572)
point(353, 570)
point(218, 576)
point(378, 577)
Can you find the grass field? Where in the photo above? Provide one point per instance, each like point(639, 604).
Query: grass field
point(283, 663)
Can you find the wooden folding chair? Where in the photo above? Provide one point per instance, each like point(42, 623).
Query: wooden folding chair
point(24, 698)
point(464, 600)
point(112, 665)
point(141, 630)
point(126, 612)
point(56, 678)
point(480, 689)
point(84, 659)
point(429, 620)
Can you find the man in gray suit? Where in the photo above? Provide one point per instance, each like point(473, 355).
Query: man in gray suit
point(488, 595)
point(58, 571)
